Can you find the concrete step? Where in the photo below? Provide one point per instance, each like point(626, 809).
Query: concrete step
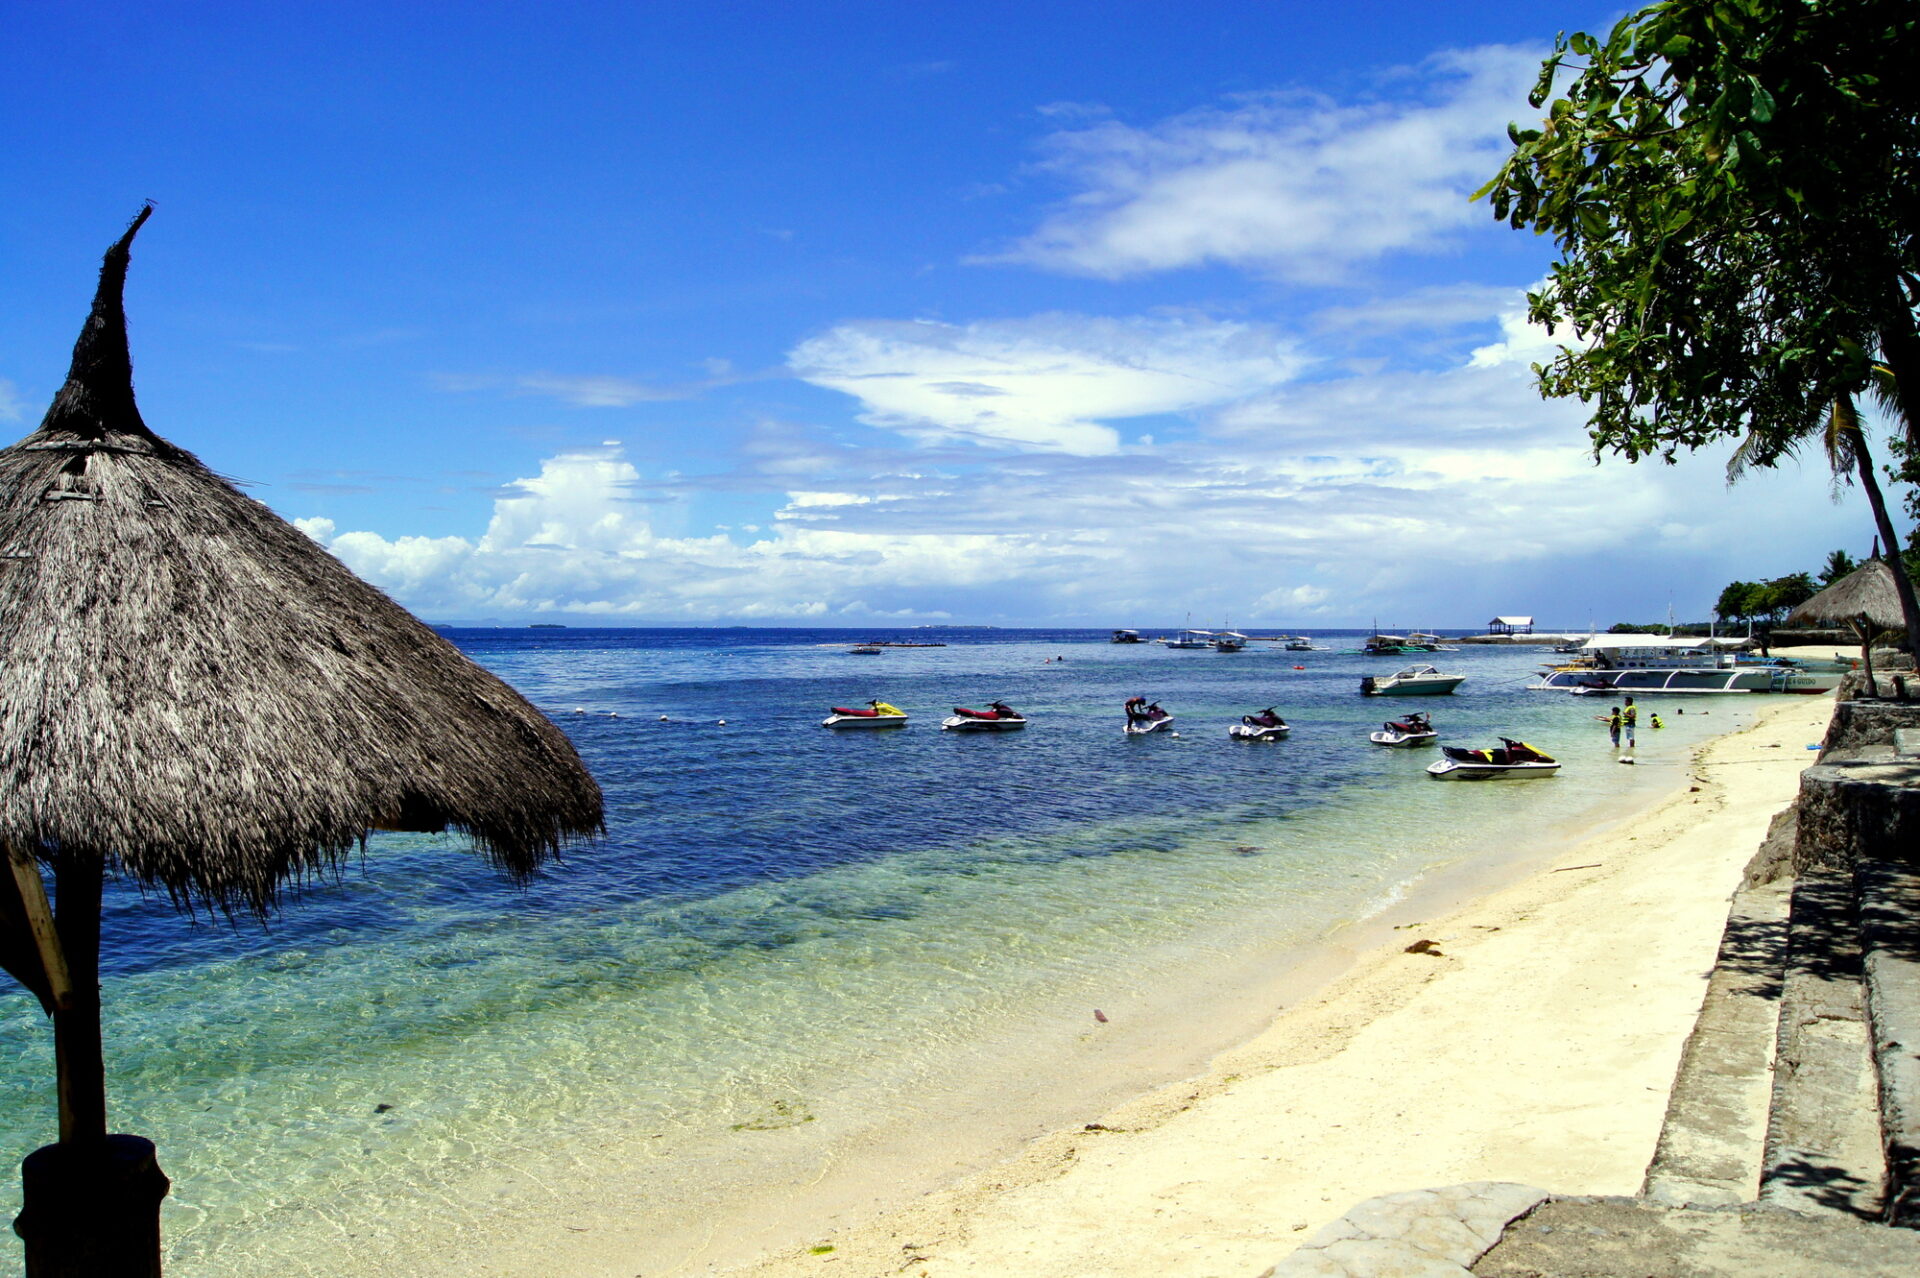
point(1823, 1148)
point(1711, 1142)
point(1889, 908)
point(1628, 1238)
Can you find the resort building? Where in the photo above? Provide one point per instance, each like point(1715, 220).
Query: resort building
point(1510, 626)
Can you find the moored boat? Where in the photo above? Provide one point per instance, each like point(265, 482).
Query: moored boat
point(1510, 759)
point(1190, 639)
point(1126, 636)
point(878, 714)
point(1413, 681)
point(1228, 641)
point(997, 717)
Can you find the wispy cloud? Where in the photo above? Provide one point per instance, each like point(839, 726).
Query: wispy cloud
point(591, 390)
point(1292, 184)
point(10, 404)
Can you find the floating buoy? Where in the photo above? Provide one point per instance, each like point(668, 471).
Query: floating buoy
point(721, 722)
point(579, 709)
point(1299, 667)
point(663, 718)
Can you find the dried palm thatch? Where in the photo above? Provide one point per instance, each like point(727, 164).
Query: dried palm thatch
point(195, 692)
point(1868, 593)
point(1867, 599)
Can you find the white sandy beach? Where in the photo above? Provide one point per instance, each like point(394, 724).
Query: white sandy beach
point(1536, 1045)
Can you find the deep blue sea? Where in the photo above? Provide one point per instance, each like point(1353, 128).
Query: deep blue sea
point(783, 923)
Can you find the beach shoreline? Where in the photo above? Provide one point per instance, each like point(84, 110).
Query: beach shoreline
point(1537, 1044)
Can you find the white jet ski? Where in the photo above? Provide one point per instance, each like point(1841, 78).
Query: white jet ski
point(1408, 730)
point(997, 717)
point(1265, 726)
point(1143, 718)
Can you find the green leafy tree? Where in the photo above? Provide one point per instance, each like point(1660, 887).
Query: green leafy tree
point(1783, 594)
point(1734, 189)
point(1737, 601)
point(1838, 565)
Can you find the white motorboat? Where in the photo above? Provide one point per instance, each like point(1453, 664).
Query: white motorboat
point(1228, 641)
point(1265, 726)
point(1429, 641)
point(878, 714)
point(1300, 643)
point(1510, 759)
point(1413, 681)
point(1408, 730)
point(1126, 636)
point(1143, 718)
point(998, 717)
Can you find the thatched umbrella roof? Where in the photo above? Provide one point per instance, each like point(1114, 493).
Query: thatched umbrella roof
point(1868, 594)
point(193, 690)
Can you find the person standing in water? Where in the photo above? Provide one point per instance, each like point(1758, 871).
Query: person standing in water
point(1629, 718)
point(1612, 720)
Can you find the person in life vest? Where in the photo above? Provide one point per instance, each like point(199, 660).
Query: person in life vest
point(1629, 717)
point(1612, 720)
point(1653, 720)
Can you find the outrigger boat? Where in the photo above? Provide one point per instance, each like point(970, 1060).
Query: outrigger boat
point(1265, 726)
point(878, 714)
point(1409, 730)
point(1143, 717)
point(1511, 759)
point(997, 717)
point(1197, 639)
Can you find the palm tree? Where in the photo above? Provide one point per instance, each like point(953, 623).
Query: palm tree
point(1844, 442)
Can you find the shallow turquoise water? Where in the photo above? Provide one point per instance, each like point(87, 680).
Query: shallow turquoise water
point(783, 919)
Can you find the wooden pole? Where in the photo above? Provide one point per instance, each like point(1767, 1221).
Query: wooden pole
point(76, 1027)
point(23, 899)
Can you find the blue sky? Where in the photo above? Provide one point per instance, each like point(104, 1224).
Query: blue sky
point(1093, 314)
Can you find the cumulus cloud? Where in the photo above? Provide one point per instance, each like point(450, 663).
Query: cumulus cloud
point(1292, 184)
point(1049, 382)
point(1413, 494)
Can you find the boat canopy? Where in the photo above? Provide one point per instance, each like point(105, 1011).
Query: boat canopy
point(1613, 643)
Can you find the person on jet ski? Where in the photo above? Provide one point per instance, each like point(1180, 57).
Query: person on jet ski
point(881, 707)
point(1137, 709)
point(1004, 710)
point(1268, 718)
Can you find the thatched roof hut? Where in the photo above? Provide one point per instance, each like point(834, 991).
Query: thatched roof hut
point(193, 691)
point(1867, 599)
point(1868, 594)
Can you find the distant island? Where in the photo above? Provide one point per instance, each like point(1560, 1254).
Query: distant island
point(546, 625)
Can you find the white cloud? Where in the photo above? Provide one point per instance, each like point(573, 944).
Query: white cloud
point(1523, 342)
point(1291, 184)
point(1435, 497)
point(10, 407)
point(1048, 382)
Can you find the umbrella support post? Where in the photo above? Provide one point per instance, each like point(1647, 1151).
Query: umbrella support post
point(92, 1210)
